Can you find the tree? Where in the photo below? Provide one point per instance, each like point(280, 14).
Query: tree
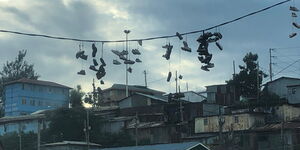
point(248, 77)
point(16, 69)
point(76, 96)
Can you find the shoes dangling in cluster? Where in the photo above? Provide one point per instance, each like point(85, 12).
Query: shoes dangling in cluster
point(204, 56)
point(169, 48)
point(135, 52)
point(81, 55)
point(294, 9)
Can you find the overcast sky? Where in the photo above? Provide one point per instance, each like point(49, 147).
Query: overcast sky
point(55, 60)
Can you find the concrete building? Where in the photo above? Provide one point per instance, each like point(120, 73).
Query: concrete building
point(222, 94)
point(293, 94)
point(280, 86)
point(112, 95)
point(25, 96)
point(231, 122)
point(140, 99)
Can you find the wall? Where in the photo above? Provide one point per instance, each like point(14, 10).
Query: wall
point(287, 112)
point(235, 122)
point(294, 94)
point(24, 99)
point(279, 87)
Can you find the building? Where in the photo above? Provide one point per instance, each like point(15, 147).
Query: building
point(70, 145)
point(293, 94)
point(222, 94)
point(173, 146)
point(25, 96)
point(193, 97)
point(280, 86)
point(140, 99)
point(112, 95)
point(229, 122)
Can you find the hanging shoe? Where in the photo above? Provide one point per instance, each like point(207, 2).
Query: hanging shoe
point(118, 53)
point(80, 53)
point(116, 62)
point(292, 35)
point(122, 57)
point(81, 72)
point(129, 70)
point(200, 58)
point(202, 49)
point(210, 65)
point(135, 52)
point(140, 42)
point(94, 50)
point(129, 62)
point(169, 76)
point(219, 46)
point(205, 68)
point(84, 57)
point(180, 77)
point(294, 15)
point(102, 62)
point(124, 52)
point(296, 25)
point(168, 52)
point(179, 36)
point(101, 82)
point(186, 47)
point(95, 62)
point(93, 68)
point(207, 59)
point(218, 35)
point(293, 8)
point(138, 60)
point(100, 75)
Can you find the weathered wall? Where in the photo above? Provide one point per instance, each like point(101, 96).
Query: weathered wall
point(294, 94)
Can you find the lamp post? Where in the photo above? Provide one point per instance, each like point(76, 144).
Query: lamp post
point(126, 32)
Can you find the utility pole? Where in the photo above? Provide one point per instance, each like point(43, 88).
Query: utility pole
point(176, 81)
point(145, 74)
point(257, 78)
point(126, 32)
point(187, 86)
point(270, 65)
point(136, 129)
point(233, 63)
point(39, 135)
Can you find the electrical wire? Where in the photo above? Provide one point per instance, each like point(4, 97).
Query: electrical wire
point(145, 39)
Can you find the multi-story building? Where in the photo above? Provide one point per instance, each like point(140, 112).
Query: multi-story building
point(280, 86)
point(25, 96)
point(222, 94)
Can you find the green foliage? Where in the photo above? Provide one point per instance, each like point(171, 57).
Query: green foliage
point(10, 141)
point(248, 77)
point(76, 96)
point(16, 69)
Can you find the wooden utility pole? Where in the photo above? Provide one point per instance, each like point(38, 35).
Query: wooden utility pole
point(145, 74)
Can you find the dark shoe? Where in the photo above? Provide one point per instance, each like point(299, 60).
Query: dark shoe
point(81, 72)
point(94, 50)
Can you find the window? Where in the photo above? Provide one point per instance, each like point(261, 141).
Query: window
point(32, 102)
point(236, 119)
point(205, 121)
point(293, 90)
point(23, 101)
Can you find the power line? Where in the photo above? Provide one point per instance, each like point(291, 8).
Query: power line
point(145, 39)
point(287, 67)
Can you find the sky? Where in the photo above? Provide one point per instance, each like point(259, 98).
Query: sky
point(54, 60)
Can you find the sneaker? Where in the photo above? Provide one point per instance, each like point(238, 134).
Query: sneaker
point(205, 68)
point(207, 59)
point(169, 76)
point(292, 35)
point(129, 62)
point(116, 62)
point(210, 65)
point(81, 72)
point(138, 60)
point(186, 47)
point(218, 35)
point(296, 25)
point(294, 15)
point(129, 70)
point(140, 42)
point(122, 57)
point(102, 62)
point(293, 8)
point(94, 50)
point(219, 46)
point(135, 52)
point(168, 52)
point(118, 53)
point(93, 68)
point(95, 62)
point(200, 58)
point(80, 53)
point(84, 57)
point(124, 52)
point(100, 75)
point(179, 36)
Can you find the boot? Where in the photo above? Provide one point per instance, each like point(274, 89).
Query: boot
point(116, 62)
point(186, 47)
point(102, 62)
point(169, 76)
point(94, 50)
point(179, 36)
point(81, 72)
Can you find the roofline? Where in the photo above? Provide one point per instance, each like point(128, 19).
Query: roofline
point(137, 93)
point(19, 81)
point(282, 78)
point(113, 88)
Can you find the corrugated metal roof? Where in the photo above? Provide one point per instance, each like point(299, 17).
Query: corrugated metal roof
point(38, 82)
point(136, 88)
point(173, 146)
